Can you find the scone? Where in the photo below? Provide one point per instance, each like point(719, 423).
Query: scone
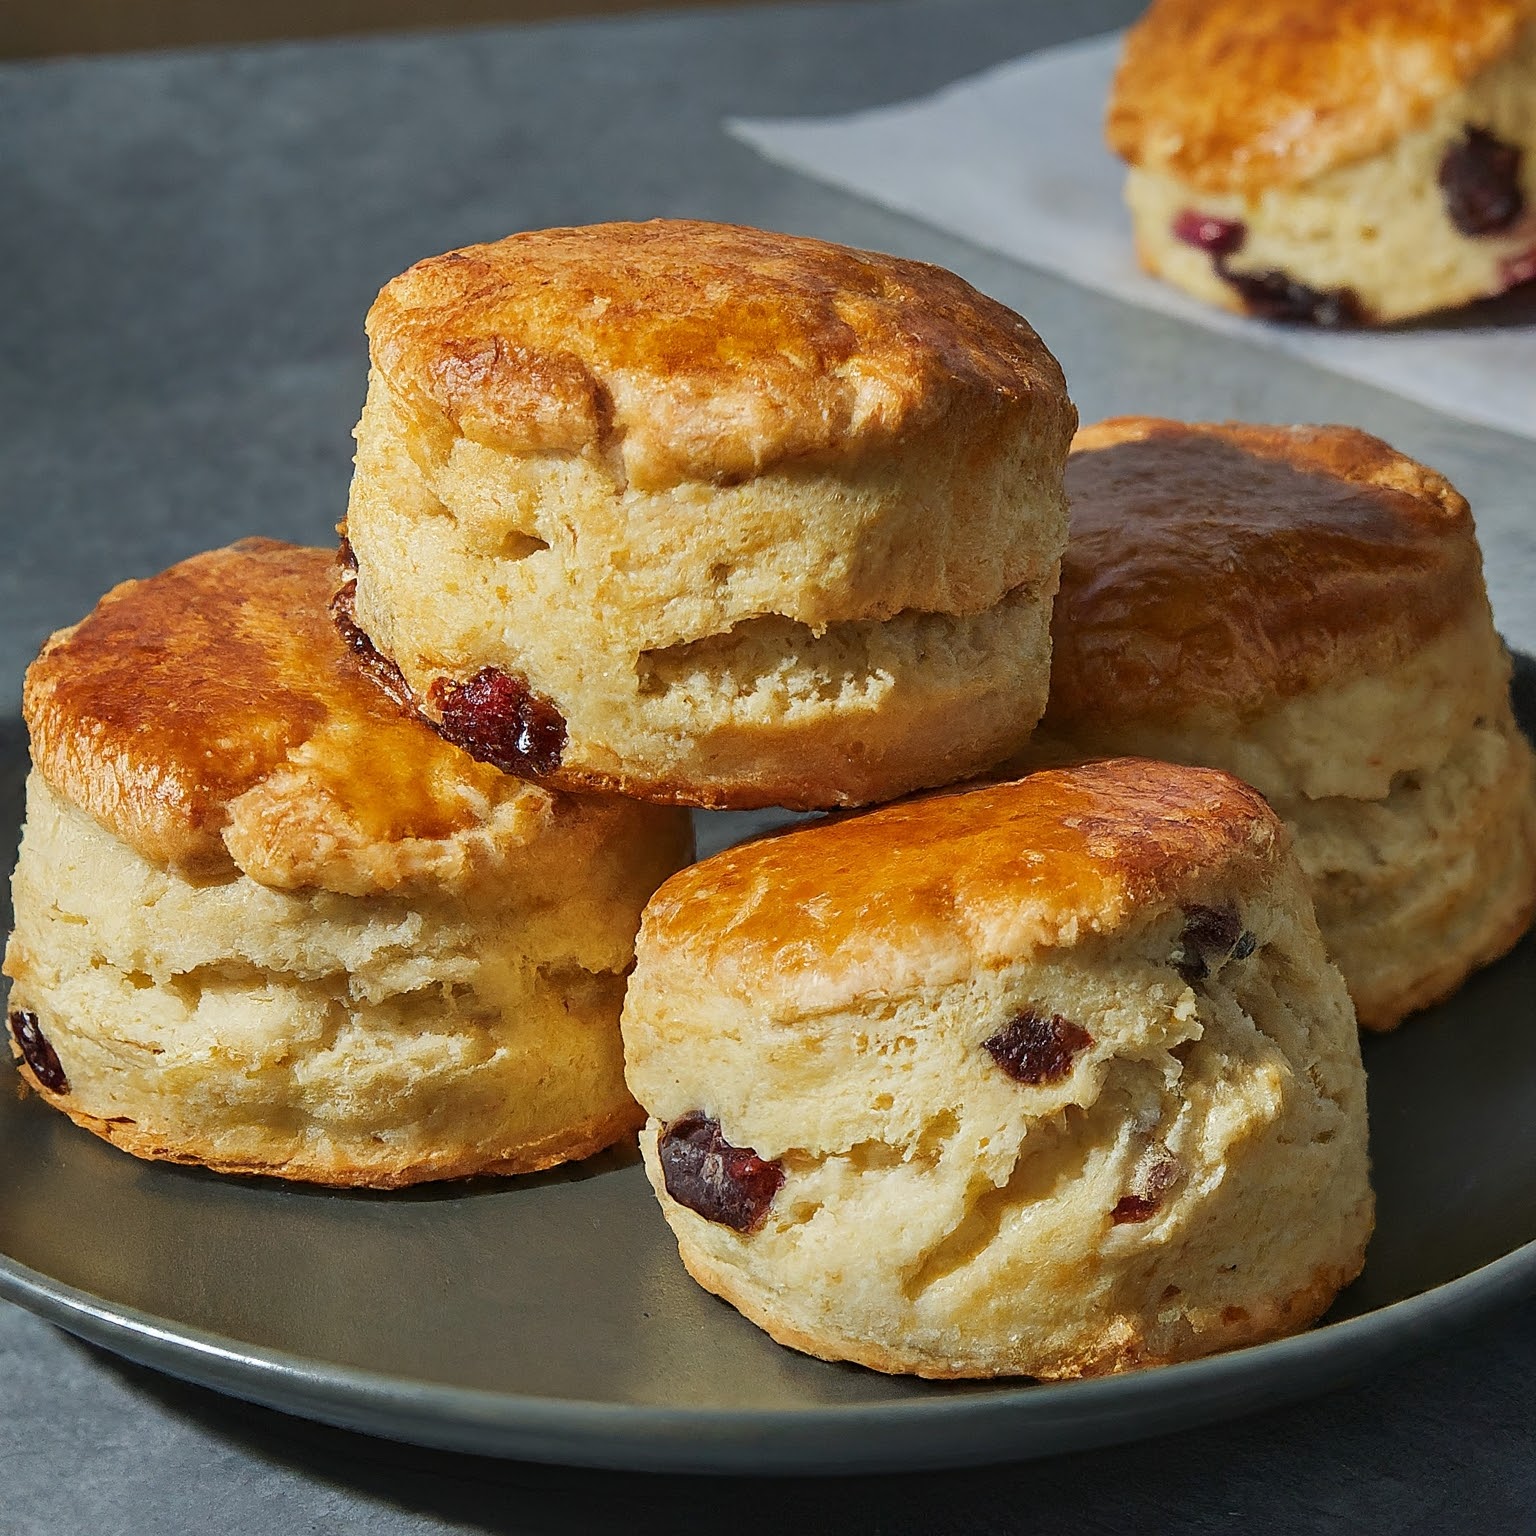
point(1305, 607)
point(1334, 163)
point(269, 922)
point(707, 515)
point(1050, 1078)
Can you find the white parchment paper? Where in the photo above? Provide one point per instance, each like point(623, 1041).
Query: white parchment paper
point(1015, 160)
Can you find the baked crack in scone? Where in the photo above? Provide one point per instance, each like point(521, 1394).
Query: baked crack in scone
point(270, 922)
point(709, 515)
point(1050, 1078)
point(1305, 607)
point(1333, 163)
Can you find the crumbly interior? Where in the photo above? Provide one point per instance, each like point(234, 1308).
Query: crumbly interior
point(1378, 226)
point(820, 634)
point(939, 1217)
point(420, 1033)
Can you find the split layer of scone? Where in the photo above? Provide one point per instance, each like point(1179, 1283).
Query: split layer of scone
point(1334, 164)
point(269, 922)
point(1048, 1078)
point(1305, 607)
point(709, 515)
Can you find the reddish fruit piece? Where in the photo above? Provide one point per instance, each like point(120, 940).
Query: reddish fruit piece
point(1274, 296)
point(500, 720)
point(1204, 231)
point(726, 1184)
point(1480, 180)
point(1514, 270)
point(1210, 935)
point(36, 1051)
point(1033, 1048)
point(1158, 1173)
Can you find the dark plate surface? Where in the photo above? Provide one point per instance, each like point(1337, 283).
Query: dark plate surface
point(548, 1318)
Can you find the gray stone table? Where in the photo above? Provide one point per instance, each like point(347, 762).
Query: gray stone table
point(187, 247)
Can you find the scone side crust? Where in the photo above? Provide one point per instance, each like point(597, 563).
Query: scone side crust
point(1333, 552)
point(681, 350)
point(1290, 1314)
point(183, 692)
point(1236, 97)
point(371, 1172)
point(985, 872)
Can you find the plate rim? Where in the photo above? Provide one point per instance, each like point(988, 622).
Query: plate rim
point(782, 1441)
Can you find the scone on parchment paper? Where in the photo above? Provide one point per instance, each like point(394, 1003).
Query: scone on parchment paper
point(1340, 163)
point(1049, 1078)
point(269, 922)
point(1305, 607)
point(709, 515)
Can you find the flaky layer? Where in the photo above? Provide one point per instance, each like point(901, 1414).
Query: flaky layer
point(320, 1036)
point(1417, 890)
point(1194, 1177)
point(1379, 229)
point(818, 635)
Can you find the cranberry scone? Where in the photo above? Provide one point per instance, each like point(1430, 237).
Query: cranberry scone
point(269, 922)
point(708, 515)
point(1049, 1078)
point(1305, 607)
point(1332, 163)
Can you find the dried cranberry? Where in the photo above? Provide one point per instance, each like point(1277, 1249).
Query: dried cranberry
point(1221, 237)
point(1032, 1048)
point(36, 1051)
point(1209, 936)
point(702, 1170)
point(1480, 180)
point(1134, 1208)
point(500, 720)
point(1157, 1173)
point(1514, 270)
point(1273, 296)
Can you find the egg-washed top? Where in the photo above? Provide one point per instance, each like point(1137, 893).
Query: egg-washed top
point(925, 892)
point(1240, 95)
point(1230, 567)
point(687, 351)
point(212, 718)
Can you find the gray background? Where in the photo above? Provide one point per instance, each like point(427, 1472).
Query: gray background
point(188, 245)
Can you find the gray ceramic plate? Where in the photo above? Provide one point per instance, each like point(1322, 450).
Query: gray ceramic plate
point(548, 1318)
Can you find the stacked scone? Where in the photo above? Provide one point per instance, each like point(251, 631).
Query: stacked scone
point(268, 922)
point(1048, 1077)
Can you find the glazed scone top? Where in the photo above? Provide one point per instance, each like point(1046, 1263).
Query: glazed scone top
point(1240, 95)
point(927, 891)
point(685, 351)
point(1230, 566)
point(212, 719)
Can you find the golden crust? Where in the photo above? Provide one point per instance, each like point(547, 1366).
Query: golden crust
point(381, 1171)
point(931, 888)
point(1240, 95)
point(686, 351)
point(212, 719)
point(1119, 1350)
point(1331, 555)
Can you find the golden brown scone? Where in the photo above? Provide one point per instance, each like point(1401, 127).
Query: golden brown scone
point(270, 922)
point(709, 515)
point(1050, 1078)
point(1305, 607)
point(1333, 163)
